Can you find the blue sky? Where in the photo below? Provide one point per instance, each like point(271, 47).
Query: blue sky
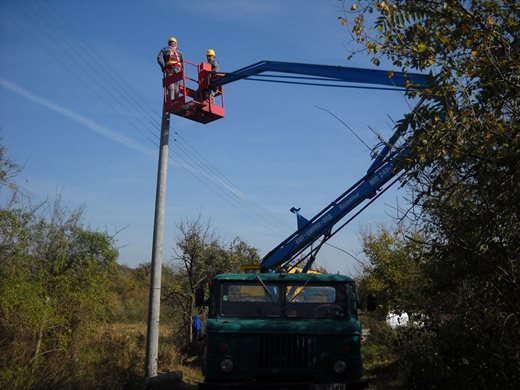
point(80, 97)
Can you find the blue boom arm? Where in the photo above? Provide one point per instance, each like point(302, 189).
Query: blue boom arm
point(398, 80)
point(382, 170)
point(322, 223)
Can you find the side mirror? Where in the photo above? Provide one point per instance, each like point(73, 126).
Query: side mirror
point(199, 297)
point(371, 302)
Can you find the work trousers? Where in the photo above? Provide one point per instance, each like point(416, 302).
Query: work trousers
point(173, 89)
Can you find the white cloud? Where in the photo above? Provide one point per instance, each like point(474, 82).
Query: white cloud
point(90, 124)
point(119, 138)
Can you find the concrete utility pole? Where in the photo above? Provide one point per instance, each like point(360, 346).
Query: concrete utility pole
point(154, 303)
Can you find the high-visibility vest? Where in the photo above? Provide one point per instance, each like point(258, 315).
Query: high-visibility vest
point(174, 59)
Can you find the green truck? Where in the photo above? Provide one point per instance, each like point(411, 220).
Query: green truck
point(283, 331)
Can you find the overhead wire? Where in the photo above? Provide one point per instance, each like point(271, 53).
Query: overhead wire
point(253, 208)
point(240, 202)
point(255, 205)
point(346, 125)
point(220, 195)
point(69, 69)
point(206, 165)
point(104, 65)
point(154, 142)
point(346, 252)
point(257, 209)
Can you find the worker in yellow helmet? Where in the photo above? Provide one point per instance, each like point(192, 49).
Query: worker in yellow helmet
point(170, 60)
point(211, 57)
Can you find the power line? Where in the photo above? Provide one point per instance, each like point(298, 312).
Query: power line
point(238, 207)
point(241, 195)
point(93, 53)
point(69, 70)
point(107, 102)
point(206, 164)
point(344, 251)
point(240, 201)
point(252, 210)
point(203, 165)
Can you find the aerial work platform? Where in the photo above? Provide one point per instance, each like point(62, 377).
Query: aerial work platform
point(195, 100)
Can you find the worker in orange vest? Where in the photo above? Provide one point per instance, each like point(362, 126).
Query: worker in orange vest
point(171, 62)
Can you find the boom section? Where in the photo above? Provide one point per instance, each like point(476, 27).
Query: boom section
point(380, 172)
point(322, 223)
point(398, 80)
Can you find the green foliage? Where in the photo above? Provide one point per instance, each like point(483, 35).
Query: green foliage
point(199, 256)
point(380, 355)
point(393, 270)
point(55, 277)
point(8, 169)
point(464, 170)
point(462, 330)
point(129, 300)
point(70, 317)
point(130, 294)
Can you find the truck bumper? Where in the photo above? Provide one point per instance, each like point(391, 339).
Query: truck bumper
point(282, 385)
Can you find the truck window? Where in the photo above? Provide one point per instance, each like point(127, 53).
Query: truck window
point(313, 301)
point(250, 300)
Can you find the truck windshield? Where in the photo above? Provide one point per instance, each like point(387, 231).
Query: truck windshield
point(257, 300)
point(250, 300)
point(316, 301)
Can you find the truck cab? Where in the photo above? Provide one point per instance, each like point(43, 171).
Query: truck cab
point(282, 330)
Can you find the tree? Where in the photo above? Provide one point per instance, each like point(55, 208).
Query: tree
point(464, 169)
point(393, 270)
point(55, 285)
point(8, 170)
point(199, 256)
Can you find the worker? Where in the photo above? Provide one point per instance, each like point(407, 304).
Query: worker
point(171, 62)
point(211, 57)
point(197, 327)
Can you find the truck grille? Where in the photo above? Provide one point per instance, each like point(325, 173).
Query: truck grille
point(286, 351)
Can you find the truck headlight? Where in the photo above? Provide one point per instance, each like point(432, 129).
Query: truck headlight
point(226, 365)
point(339, 366)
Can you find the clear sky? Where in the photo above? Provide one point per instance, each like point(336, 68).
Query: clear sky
point(80, 102)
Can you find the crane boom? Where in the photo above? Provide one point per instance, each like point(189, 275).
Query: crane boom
point(328, 72)
point(323, 222)
point(381, 171)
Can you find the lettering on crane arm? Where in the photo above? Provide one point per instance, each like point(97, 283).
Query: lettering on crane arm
point(326, 218)
point(383, 172)
point(349, 201)
point(374, 182)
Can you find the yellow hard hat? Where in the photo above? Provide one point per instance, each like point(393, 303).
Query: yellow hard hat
point(211, 52)
point(172, 39)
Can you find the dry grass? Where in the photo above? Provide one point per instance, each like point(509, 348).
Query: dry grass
point(170, 359)
point(118, 329)
point(191, 375)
